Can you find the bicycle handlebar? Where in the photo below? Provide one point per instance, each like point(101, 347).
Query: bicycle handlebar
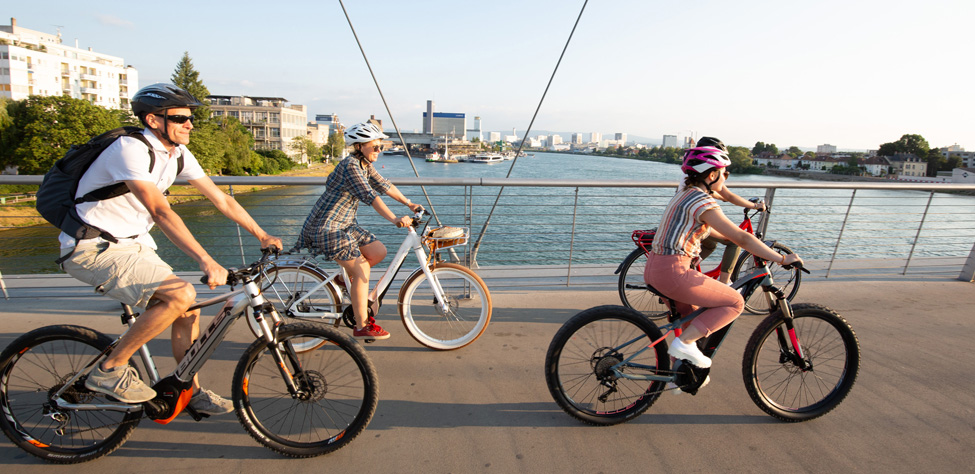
point(234, 275)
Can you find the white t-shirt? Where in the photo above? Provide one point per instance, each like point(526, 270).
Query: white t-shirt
point(128, 159)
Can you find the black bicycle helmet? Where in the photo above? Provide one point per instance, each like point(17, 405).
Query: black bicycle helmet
point(711, 141)
point(158, 97)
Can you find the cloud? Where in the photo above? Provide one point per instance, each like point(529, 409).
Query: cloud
point(109, 20)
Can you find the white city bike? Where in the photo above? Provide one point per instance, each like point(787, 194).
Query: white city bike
point(444, 306)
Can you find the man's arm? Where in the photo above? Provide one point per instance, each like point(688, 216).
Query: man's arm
point(234, 211)
point(175, 229)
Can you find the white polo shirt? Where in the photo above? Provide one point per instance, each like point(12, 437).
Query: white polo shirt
point(128, 159)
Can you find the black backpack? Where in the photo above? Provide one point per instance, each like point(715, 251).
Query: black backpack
point(55, 197)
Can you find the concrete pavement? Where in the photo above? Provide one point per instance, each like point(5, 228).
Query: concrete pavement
point(486, 408)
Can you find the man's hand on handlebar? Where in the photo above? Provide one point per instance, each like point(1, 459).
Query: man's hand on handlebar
point(415, 207)
point(215, 274)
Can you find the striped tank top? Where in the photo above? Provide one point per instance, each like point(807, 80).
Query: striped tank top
point(681, 229)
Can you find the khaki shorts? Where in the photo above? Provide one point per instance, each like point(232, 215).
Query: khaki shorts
point(130, 273)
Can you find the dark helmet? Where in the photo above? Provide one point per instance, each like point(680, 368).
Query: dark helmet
point(711, 141)
point(158, 97)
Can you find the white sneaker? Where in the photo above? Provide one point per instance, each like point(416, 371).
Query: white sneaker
point(688, 352)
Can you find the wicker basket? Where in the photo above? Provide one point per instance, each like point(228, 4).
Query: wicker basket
point(445, 237)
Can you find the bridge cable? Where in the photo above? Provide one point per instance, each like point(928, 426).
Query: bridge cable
point(390, 113)
point(521, 145)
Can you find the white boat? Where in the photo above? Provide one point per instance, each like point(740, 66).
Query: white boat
point(487, 158)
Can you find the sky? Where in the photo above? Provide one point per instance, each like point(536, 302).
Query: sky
point(854, 74)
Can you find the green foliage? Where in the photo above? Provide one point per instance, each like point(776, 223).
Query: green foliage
point(741, 161)
point(306, 148)
point(186, 77)
point(42, 129)
point(275, 161)
point(794, 152)
point(908, 143)
point(761, 147)
point(334, 146)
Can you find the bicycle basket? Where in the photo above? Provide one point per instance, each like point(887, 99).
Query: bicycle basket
point(444, 237)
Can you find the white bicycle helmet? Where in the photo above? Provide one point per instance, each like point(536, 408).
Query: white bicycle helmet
point(363, 132)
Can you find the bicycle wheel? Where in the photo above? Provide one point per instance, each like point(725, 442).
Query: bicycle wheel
point(634, 292)
point(776, 382)
point(339, 392)
point(450, 328)
point(34, 367)
point(288, 283)
point(585, 348)
point(788, 280)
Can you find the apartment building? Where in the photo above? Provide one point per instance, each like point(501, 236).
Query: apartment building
point(37, 63)
point(272, 121)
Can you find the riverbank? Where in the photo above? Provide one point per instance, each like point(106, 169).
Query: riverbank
point(23, 213)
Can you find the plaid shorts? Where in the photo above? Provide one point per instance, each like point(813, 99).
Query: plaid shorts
point(341, 244)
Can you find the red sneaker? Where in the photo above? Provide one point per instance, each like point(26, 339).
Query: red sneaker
point(370, 331)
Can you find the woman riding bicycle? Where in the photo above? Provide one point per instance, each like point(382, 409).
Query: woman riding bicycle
point(332, 230)
point(708, 245)
point(688, 219)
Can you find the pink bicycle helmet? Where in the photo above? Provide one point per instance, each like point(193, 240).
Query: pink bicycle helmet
point(703, 158)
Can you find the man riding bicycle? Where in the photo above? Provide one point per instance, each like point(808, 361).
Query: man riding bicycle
point(129, 270)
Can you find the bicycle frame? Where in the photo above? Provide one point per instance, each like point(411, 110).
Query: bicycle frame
point(196, 356)
point(413, 243)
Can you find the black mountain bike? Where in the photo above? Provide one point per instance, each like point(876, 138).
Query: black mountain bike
point(608, 364)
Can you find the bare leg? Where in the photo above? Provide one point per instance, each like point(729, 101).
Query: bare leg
point(358, 272)
point(174, 297)
point(186, 329)
point(373, 253)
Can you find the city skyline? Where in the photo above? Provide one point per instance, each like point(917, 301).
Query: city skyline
point(851, 75)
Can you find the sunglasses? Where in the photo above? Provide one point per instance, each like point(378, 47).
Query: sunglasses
point(726, 174)
point(378, 148)
point(177, 119)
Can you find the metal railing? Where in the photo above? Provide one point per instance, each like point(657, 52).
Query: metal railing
point(578, 231)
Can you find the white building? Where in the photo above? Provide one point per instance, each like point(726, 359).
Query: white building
point(494, 137)
point(621, 138)
point(595, 137)
point(271, 120)
point(669, 141)
point(826, 149)
point(36, 63)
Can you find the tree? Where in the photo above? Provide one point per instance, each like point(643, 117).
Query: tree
point(908, 143)
point(761, 147)
point(306, 148)
point(7, 132)
point(44, 128)
point(794, 152)
point(186, 77)
point(335, 146)
point(741, 160)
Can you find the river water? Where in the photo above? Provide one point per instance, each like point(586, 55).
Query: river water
point(534, 225)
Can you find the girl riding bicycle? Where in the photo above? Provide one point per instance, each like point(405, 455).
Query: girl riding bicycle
point(332, 231)
point(689, 218)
